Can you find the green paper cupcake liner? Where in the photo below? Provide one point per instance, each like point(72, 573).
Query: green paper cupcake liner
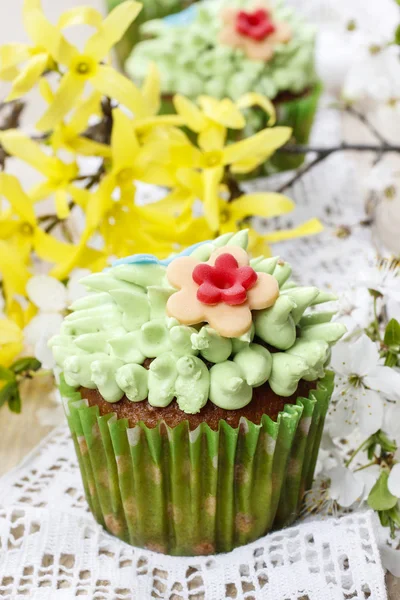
point(299, 114)
point(198, 492)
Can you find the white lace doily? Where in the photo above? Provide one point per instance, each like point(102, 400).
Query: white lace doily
point(51, 548)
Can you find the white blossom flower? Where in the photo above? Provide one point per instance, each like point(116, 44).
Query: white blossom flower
point(335, 51)
point(346, 486)
point(391, 421)
point(325, 462)
point(386, 118)
point(382, 179)
point(374, 76)
point(383, 278)
point(369, 477)
point(362, 383)
point(394, 480)
point(52, 298)
point(354, 309)
point(393, 310)
point(390, 556)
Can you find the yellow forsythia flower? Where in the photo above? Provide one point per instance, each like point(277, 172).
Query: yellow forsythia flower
point(11, 338)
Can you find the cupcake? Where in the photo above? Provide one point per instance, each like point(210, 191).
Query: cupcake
point(196, 389)
point(151, 9)
point(227, 48)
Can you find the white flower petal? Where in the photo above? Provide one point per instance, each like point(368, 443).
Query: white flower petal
point(44, 353)
point(43, 325)
point(369, 412)
point(340, 359)
point(346, 487)
point(385, 380)
point(390, 559)
point(391, 422)
point(369, 477)
point(334, 55)
point(75, 289)
point(364, 356)
point(380, 177)
point(393, 309)
point(342, 418)
point(394, 481)
point(47, 293)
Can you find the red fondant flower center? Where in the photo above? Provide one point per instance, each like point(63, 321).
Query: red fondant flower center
point(225, 282)
point(256, 25)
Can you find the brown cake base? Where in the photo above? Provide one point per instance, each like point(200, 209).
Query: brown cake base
point(264, 401)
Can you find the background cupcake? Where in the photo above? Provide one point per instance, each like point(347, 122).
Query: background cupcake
point(196, 392)
point(152, 9)
point(226, 49)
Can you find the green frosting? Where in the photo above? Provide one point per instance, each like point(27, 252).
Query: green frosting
point(154, 338)
point(255, 362)
point(104, 376)
point(287, 370)
point(108, 335)
point(133, 381)
point(316, 318)
point(244, 340)
point(181, 340)
point(126, 348)
point(314, 353)
point(162, 377)
point(134, 306)
point(275, 325)
point(329, 332)
point(192, 385)
point(212, 346)
point(302, 297)
point(77, 369)
point(228, 386)
point(192, 61)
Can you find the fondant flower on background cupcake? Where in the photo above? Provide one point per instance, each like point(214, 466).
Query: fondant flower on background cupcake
point(221, 292)
point(253, 31)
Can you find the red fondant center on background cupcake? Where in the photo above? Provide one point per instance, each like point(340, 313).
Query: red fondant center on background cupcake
point(256, 25)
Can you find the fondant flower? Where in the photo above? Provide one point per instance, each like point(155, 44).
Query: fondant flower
point(224, 282)
point(254, 32)
point(222, 292)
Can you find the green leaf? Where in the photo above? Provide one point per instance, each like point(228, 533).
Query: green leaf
point(394, 515)
point(392, 334)
point(397, 32)
point(375, 293)
point(14, 403)
point(371, 451)
point(386, 444)
point(384, 518)
point(27, 363)
point(391, 359)
point(7, 391)
point(6, 374)
point(379, 497)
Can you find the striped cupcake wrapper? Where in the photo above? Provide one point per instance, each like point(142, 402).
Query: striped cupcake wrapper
point(198, 492)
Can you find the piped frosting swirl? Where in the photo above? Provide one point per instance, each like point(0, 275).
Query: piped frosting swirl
point(126, 319)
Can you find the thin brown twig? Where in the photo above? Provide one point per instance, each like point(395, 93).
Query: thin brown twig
point(323, 152)
point(365, 121)
point(299, 174)
point(343, 147)
point(235, 191)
